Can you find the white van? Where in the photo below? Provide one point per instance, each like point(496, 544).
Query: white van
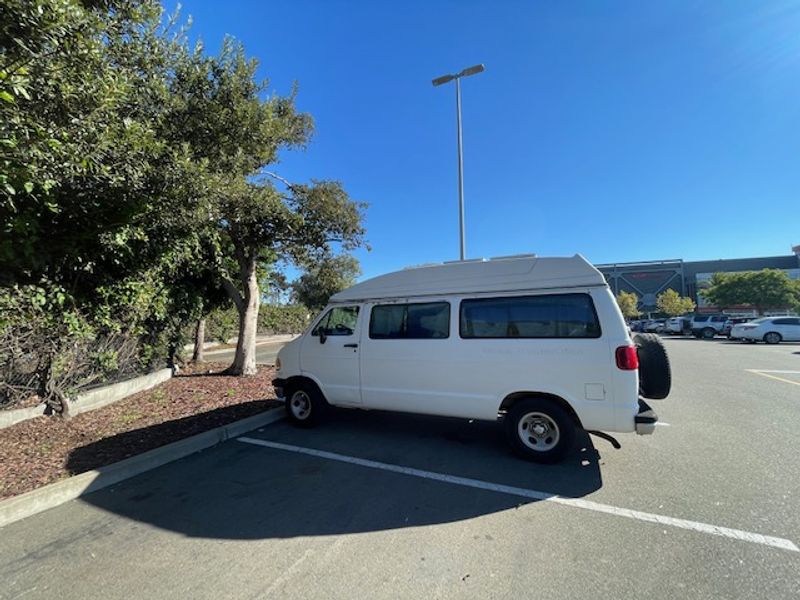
point(537, 342)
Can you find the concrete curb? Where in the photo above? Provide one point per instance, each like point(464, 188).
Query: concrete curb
point(50, 496)
point(18, 415)
point(109, 394)
point(91, 400)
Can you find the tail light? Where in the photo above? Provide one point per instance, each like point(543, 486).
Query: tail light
point(627, 359)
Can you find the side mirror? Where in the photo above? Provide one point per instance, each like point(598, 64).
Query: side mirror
point(322, 336)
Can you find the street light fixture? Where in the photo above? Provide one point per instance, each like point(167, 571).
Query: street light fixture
point(474, 70)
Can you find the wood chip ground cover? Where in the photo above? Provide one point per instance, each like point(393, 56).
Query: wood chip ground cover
point(46, 449)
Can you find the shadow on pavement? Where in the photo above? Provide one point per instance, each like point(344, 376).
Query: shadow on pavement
point(243, 491)
point(131, 443)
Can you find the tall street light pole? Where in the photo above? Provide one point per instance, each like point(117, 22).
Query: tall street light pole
point(439, 81)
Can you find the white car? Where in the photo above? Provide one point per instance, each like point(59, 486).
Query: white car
point(654, 325)
point(537, 342)
point(677, 325)
point(771, 330)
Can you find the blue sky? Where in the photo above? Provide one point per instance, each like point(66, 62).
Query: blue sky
point(620, 130)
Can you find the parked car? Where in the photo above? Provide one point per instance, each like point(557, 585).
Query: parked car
point(536, 342)
point(637, 325)
point(677, 325)
point(654, 325)
point(708, 326)
point(771, 330)
point(732, 322)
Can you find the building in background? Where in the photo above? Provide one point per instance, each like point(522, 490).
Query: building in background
point(648, 279)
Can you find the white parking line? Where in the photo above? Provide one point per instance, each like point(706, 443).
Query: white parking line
point(662, 424)
point(736, 534)
point(769, 373)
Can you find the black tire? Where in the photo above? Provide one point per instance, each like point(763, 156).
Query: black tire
point(305, 405)
point(709, 333)
point(545, 413)
point(655, 373)
point(772, 337)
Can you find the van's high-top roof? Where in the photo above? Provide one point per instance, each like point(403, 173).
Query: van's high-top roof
point(506, 274)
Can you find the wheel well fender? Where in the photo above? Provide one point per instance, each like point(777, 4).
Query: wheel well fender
point(297, 380)
point(515, 397)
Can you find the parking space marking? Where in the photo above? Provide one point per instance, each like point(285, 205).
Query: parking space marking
point(662, 424)
point(769, 373)
point(736, 534)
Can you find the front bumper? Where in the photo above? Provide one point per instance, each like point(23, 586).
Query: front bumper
point(646, 419)
point(279, 385)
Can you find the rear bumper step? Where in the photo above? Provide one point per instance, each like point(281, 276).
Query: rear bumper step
point(646, 419)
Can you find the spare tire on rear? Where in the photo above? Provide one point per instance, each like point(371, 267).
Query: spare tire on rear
point(655, 375)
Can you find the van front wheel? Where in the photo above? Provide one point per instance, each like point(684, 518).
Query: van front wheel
point(540, 430)
point(305, 405)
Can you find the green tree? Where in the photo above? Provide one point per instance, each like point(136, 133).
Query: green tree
point(673, 304)
point(255, 217)
point(132, 176)
point(765, 289)
point(82, 165)
point(324, 278)
point(628, 303)
point(96, 205)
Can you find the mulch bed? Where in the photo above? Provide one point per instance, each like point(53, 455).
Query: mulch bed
point(46, 449)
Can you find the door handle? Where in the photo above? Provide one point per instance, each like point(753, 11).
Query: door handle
point(351, 345)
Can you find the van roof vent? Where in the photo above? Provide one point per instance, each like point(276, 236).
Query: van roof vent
point(511, 256)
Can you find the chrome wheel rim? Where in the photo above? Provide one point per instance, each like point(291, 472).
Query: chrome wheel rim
point(538, 431)
point(773, 338)
point(300, 405)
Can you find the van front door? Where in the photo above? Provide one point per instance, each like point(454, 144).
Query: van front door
point(330, 355)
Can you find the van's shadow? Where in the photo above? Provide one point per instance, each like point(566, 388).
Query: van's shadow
point(243, 491)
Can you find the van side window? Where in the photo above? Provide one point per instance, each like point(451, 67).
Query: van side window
point(340, 320)
point(430, 320)
point(546, 316)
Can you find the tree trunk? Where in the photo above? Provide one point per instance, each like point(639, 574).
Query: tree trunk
point(244, 363)
point(199, 341)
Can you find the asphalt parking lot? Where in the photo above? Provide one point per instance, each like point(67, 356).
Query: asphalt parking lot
point(386, 506)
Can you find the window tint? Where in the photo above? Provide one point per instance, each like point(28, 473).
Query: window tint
point(551, 316)
point(387, 321)
point(340, 320)
point(786, 321)
point(429, 320)
point(701, 319)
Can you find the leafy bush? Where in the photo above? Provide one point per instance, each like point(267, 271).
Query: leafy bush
point(222, 324)
point(50, 350)
point(276, 319)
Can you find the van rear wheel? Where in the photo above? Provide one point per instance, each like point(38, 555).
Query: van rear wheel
point(540, 430)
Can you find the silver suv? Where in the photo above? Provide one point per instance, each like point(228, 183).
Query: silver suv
point(709, 326)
